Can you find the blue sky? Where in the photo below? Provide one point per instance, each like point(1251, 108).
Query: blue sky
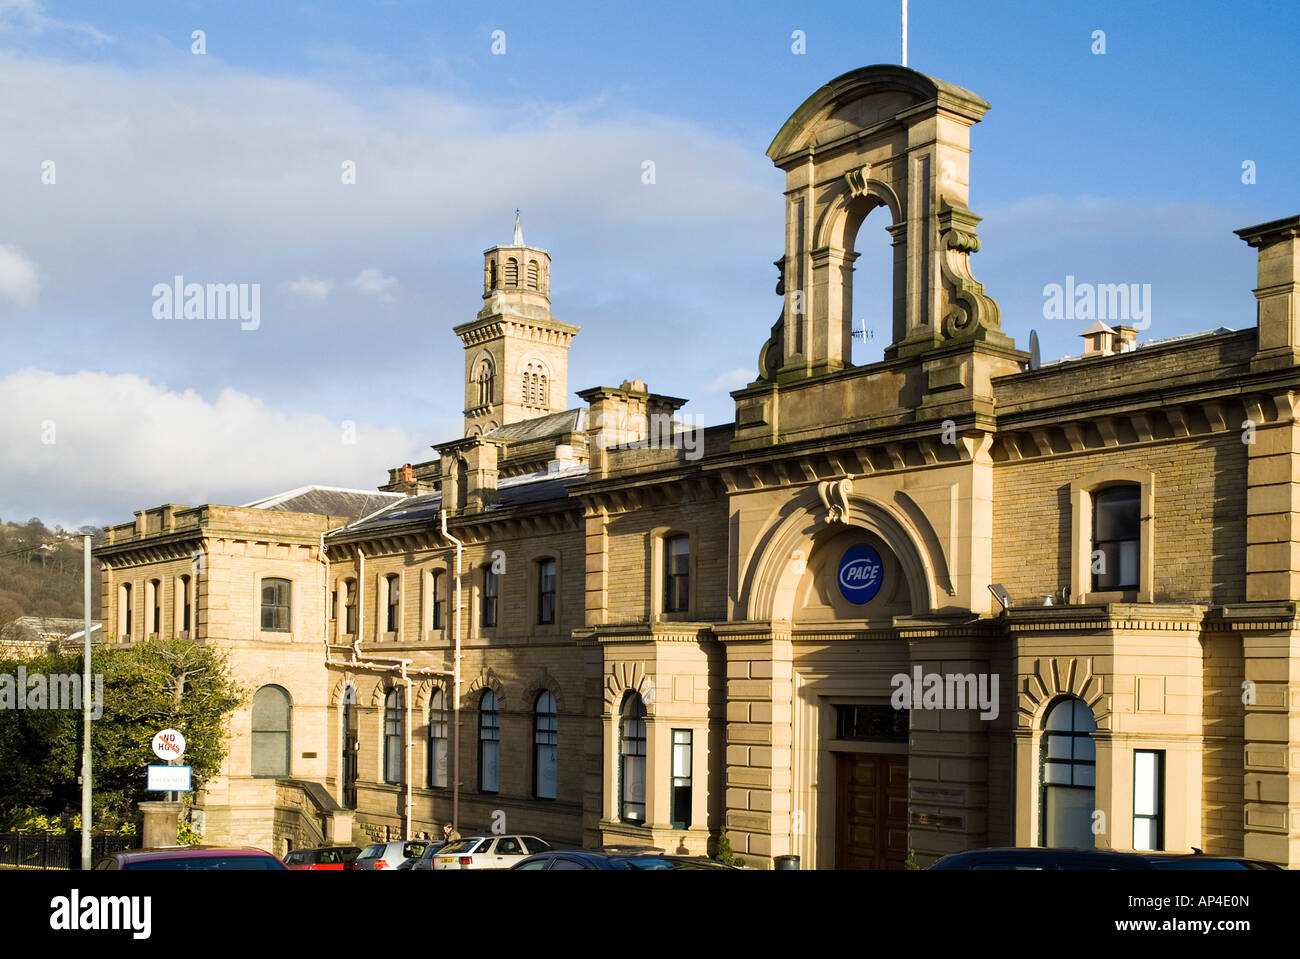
point(1123, 167)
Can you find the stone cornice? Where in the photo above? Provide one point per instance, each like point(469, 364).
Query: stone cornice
point(1110, 616)
point(1270, 616)
point(628, 633)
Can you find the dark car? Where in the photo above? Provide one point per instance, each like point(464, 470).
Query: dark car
point(329, 858)
point(577, 859)
point(1034, 858)
point(1198, 860)
point(189, 858)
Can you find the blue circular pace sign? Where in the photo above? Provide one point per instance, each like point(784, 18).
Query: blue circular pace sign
point(860, 574)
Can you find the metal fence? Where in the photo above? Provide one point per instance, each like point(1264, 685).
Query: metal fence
point(37, 850)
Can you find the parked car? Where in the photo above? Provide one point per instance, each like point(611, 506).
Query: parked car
point(1198, 860)
point(574, 859)
point(330, 858)
point(1040, 858)
point(389, 855)
point(488, 852)
point(189, 858)
point(424, 862)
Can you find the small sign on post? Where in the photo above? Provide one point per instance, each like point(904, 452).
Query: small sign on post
point(169, 744)
point(168, 779)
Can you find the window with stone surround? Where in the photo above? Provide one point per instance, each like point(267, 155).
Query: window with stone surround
point(1112, 536)
point(272, 720)
point(393, 735)
point(489, 743)
point(546, 725)
point(1067, 775)
point(276, 605)
point(631, 759)
point(437, 740)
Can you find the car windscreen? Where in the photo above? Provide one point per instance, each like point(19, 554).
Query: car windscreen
point(192, 863)
point(373, 852)
point(461, 847)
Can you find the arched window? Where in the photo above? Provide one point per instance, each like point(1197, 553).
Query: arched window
point(155, 607)
point(350, 606)
point(350, 737)
point(394, 591)
point(631, 759)
point(512, 272)
point(272, 722)
point(393, 735)
point(184, 599)
point(462, 483)
point(532, 274)
point(435, 599)
point(485, 378)
point(489, 742)
point(276, 605)
point(545, 746)
point(437, 740)
point(1068, 774)
point(541, 393)
point(1116, 537)
point(124, 611)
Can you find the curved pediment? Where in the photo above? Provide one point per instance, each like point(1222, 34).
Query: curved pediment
point(863, 98)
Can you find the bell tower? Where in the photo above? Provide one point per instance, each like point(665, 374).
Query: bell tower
point(891, 140)
point(516, 353)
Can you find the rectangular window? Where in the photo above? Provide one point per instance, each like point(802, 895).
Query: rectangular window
point(394, 596)
point(677, 576)
point(546, 592)
point(632, 769)
point(1148, 799)
point(1116, 535)
point(435, 620)
point(490, 586)
point(350, 606)
point(393, 736)
point(880, 723)
point(275, 605)
point(681, 794)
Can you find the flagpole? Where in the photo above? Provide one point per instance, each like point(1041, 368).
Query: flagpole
point(904, 32)
point(85, 721)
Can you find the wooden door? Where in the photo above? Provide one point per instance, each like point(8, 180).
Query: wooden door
point(870, 811)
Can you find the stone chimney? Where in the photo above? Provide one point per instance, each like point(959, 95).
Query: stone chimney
point(1126, 338)
point(1099, 340)
point(469, 473)
point(623, 416)
point(1278, 292)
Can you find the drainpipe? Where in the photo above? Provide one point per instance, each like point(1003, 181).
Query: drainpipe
point(361, 602)
point(409, 746)
point(455, 685)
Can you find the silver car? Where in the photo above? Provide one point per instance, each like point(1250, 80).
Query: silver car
point(389, 855)
point(487, 852)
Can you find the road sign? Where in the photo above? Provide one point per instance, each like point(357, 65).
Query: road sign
point(169, 744)
point(168, 779)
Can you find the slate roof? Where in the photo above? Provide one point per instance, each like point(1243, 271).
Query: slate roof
point(328, 501)
point(541, 427)
point(511, 491)
point(1164, 341)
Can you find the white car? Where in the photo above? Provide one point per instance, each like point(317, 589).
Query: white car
point(487, 852)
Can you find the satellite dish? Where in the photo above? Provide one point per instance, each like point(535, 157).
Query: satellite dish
point(1034, 361)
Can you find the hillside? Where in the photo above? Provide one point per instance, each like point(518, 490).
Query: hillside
point(40, 571)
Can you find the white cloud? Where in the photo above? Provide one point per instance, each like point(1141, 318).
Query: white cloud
point(122, 443)
point(372, 282)
point(29, 15)
point(310, 287)
point(18, 280)
point(731, 380)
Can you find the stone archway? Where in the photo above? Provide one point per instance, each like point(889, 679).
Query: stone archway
point(768, 587)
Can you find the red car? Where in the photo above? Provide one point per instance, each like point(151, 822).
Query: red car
point(332, 858)
point(222, 858)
